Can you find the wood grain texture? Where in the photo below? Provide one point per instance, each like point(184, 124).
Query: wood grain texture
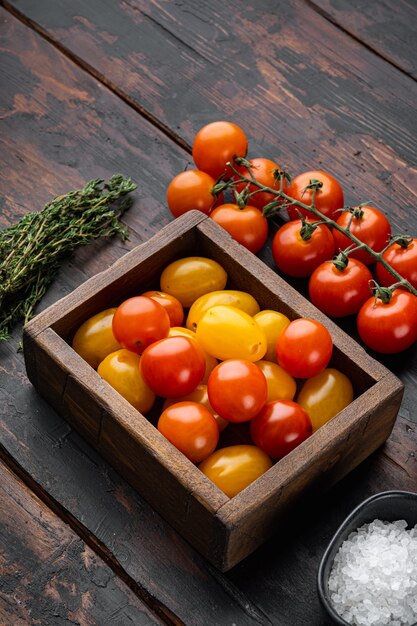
point(49, 576)
point(385, 27)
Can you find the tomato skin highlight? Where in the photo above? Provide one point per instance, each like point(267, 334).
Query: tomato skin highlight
point(280, 427)
point(173, 367)
point(263, 171)
point(304, 348)
point(299, 257)
point(233, 468)
point(339, 293)
point(172, 306)
point(328, 199)
point(94, 339)
point(372, 228)
point(325, 395)
point(191, 190)
point(389, 328)
point(247, 226)
point(237, 390)
point(191, 277)
point(138, 322)
point(191, 428)
point(403, 260)
point(217, 143)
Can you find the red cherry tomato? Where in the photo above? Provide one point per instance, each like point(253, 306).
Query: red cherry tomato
point(304, 348)
point(247, 226)
point(401, 258)
point(237, 390)
point(263, 172)
point(340, 292)
point(191, 190)
point(280, 427)
point(173, 367)
point(328, 199)
point(191, 428)
point(369, 225)
point(217, 143)
point(138, 322)
point(296, 256)
point(391, 327)
point(171, 305)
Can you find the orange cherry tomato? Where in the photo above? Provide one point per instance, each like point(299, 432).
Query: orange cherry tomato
point(369, 225)
point(281, 386)
point(232, 469)
point(262, 171)
point(304, 348)
point(189, 278)
point(211, 362)
point(171, 305)
point(247, 225)
point(217, 143)
point(237, 390)
point(191, 190)
point(191, 428)
point(325, 395)
point(138, 322)
point(200, 396)
point(94, 339)
point(328, 199)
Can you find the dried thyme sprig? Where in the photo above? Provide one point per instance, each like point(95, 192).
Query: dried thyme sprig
point(32, 250)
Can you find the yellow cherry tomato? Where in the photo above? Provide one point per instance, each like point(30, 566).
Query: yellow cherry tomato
point(234, 468)
point(121, 370)
point(94, 339)
point(325, 395)
point(240, 299)
point(272, 323)
point(189, 278)
point(225, 332)
point(281, 386)
point(200, 396)
point(211, 362)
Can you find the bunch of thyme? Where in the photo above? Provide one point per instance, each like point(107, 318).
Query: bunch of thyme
point(32, 250)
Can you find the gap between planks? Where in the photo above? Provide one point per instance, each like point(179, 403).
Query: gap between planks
point(327, 16)
point(159, 609)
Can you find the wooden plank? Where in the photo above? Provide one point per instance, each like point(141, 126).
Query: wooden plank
point(385, 27)
point(49, 576)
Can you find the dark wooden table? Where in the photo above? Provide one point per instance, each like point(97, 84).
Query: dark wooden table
point(90, 88)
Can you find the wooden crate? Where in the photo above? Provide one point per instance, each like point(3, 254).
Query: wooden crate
point(224, 530)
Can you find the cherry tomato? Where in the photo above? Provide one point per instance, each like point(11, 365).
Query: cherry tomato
point(191, 190)
point(392, 327)
point(239, 299)
point(173, 367)
point(281, 386)
point(189, 278)
point(280, 427)
point(211, 362)
point(328, 199)
point(217, 143)
point(94, 339)
point(200, 396)
point(191, 428)
point(369, 225)
point(263, 172)
point(138, 322)
point(325, 395)
point(225, 332)
point(121, 370)
point(247, 226)
point(304, 348)
point(340, 292)
point(237, 390)
point(296, 256)
point(232, 469)
point(171, 305)
point(402, 258)
point(271, 323)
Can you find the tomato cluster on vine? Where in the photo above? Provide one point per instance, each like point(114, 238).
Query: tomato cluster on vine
point(353, 263)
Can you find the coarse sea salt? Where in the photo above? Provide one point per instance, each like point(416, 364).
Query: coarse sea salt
point(373, 580)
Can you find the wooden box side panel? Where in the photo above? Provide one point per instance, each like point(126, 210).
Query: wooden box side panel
point(326, 457)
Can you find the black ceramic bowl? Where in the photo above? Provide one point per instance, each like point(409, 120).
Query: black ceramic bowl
point(388, 506)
